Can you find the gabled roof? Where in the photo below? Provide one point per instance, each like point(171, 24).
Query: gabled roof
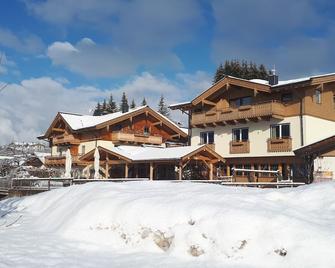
point(78, 122)
point(254, 84)
point(155, 153)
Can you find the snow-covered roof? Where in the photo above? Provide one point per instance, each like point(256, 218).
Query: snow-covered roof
point(143, 153)
point(290, 81)
point(79, 121)
point(41, 156)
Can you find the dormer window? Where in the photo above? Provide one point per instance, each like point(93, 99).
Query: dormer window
point(317, 96)
point(240, 102)
point(146, 131)
point(286, 97)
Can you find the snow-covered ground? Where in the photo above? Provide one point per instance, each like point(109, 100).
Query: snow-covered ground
point(164, 224)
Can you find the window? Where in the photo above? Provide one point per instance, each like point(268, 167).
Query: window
point(317, 96)
point(241, 101)
point(83, 149)
point(334, 100)
point(146, 131)
point(286, 97)
point(207, 137)
point(240, 134)
point(280, 131)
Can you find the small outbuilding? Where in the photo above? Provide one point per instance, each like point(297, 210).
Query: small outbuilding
point(155, 162)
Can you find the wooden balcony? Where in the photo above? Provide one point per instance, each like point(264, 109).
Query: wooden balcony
point(279, 145)
point(232, 115)
point(122, 137)
point(65, 139)
point(239, 147)
point(59, 160)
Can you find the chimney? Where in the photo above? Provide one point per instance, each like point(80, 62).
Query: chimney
point(273, 78)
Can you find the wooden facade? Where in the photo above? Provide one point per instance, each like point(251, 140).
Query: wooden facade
point(238, 103)
point(143, 126)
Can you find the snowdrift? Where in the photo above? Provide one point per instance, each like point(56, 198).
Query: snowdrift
point(292, 227)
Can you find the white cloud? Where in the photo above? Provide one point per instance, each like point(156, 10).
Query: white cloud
point(136, 34)
point(93, 60)
point(28, 43)
point(28, 108)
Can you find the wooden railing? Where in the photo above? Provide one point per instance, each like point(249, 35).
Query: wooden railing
point(279, 145)
point(239, 147)
point(60, 160)
point(258, 110)
point(65, 139)
point(120, 136)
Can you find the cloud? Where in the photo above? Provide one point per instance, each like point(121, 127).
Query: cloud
point(296, 36)
point(131, 35)
point(92, 60)
point(28, 43)
point(28, 108)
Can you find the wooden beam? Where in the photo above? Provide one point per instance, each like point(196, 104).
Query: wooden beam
point(175, 136)
point(151, 171)
point(157, 123)
point(180, 172)
point(208, 102)
point(211, 171)
point(126, 169)
point(107, 168)
point(56, 129)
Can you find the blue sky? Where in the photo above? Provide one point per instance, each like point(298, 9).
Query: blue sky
point(67, 54)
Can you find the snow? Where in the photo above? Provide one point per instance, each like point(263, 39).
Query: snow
point(143, 153)
point(159, 224)
point(79, 121)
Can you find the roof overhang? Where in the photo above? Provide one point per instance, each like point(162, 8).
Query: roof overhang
point(225, 84)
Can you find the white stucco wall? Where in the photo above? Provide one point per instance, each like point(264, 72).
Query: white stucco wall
point(317, 129)
point(259, 133)
point(325, 164)
point(90, 145)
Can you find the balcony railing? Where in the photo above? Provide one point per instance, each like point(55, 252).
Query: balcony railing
point(254, 111)
point(279, 145)
point(239, 147)
point(120, 136)
point(65, 139)
point(60, 160)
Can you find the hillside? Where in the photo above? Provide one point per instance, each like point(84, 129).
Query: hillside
point(161, 224)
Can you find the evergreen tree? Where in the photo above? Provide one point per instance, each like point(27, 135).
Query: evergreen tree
point(162, 108)
point(144, 102)
point(133, 104)
point(241, 70)
point(104, 108)
point(124, 103)
point(97, 110)
point(111, 107)
point(219, 74)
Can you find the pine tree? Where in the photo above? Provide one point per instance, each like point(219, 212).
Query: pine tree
point(124, 103)
point(104, 108)
point(162, 108)
point(111, 107)
point(219, 74)
point(241, 70)
point(97, 110)
point(144, 102)
point(133, 104)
